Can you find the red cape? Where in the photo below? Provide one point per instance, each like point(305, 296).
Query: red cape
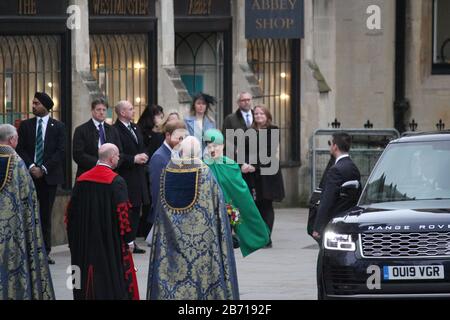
point(99, 174)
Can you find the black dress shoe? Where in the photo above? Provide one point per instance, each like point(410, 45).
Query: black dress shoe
point(50, 260)
point(138, 250)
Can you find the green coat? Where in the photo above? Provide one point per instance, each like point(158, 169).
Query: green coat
point(252, 231)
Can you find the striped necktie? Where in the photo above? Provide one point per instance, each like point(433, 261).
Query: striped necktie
point(132, 132)
point(39, 152)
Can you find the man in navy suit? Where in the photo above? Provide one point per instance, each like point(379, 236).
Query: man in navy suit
point(91, 135)
point(42, 141)
point(343, 170)
point(174, 132)
point(331, 202)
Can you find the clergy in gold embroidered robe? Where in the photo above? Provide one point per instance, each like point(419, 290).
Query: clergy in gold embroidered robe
point(192, 254)
point(24, 270)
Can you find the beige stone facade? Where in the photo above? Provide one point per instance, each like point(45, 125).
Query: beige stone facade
point(347, 72)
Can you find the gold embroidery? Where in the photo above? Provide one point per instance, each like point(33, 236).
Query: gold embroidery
point(8, 173)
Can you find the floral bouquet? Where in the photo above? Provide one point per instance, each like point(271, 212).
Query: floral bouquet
point(234, 214)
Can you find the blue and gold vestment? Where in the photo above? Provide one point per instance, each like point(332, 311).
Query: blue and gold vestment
point(192, 254)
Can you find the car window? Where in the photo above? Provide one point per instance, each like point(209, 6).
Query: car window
point(410, 171)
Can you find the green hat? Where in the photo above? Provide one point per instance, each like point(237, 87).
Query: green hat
point(214, 136)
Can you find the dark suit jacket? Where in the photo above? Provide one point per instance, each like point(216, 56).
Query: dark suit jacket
point(331, 203)
point(54, 148)
point(134, 174)
point(156, 165)
point(236, 121)
point(85, 144)
point(268, 187)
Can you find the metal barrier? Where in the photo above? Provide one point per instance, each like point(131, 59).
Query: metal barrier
point(367, 146)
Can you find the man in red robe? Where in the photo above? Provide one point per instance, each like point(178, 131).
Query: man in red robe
point(97, 227)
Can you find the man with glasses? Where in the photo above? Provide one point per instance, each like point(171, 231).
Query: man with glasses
point(242, 119)
point(42, 142)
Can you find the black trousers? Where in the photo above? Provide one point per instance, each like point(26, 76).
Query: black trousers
point(319, 273)
point(265, 207)
point(144, 225)
point(46, 195)
point(134, 214)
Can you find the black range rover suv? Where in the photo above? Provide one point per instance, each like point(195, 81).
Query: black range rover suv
point(396, 242)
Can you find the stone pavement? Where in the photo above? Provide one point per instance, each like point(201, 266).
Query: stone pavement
point(284, 272)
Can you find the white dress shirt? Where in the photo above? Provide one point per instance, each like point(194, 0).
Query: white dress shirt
point(342, 157)
point(44, 130)
point(250, 118)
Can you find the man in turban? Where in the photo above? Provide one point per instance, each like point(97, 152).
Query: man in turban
point(41, 145)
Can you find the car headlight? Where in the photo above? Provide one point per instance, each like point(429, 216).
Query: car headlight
point(341, 242)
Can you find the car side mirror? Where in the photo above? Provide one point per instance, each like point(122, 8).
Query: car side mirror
point(350, 189)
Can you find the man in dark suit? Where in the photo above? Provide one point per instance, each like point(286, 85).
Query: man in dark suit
point(331, 201)
point(241, 119)
point(42, 146)
point(132, 166)
point(174, 131)
point(344, 170)
point(89, 136)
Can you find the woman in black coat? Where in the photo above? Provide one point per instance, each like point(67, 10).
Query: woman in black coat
point(266, 188)
point(150, 124)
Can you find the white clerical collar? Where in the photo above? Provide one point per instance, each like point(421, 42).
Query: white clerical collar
point(103, 164)
point(341, 157)
point(97, 123)
point(167, 145)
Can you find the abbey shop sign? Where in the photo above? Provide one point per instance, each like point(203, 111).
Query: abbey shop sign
point(274, 19)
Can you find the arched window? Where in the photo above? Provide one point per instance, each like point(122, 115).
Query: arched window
point(272, 63)
point(119, 62)
point(28, 64)
point(199, 60)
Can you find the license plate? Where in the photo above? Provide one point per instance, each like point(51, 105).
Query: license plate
point(413, 272)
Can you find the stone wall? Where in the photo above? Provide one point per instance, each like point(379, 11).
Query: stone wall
point(428, 94)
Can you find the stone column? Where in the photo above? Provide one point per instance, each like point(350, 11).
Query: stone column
point(172, 94)
point(243, 77)
point(80, 64)
point(84, 86)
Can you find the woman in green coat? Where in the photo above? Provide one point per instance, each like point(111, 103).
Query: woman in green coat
point(251, 229)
